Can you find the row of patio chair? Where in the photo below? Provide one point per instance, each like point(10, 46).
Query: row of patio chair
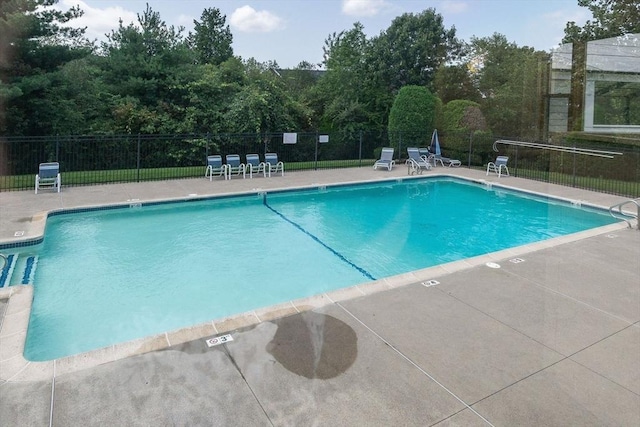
point(420, 159)
point(48, 175)
point(234, 166)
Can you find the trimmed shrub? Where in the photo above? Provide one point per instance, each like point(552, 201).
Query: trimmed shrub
point(412, 116)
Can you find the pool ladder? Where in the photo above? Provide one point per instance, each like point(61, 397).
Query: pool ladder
point(616, 212)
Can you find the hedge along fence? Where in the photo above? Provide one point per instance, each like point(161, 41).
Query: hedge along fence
point(87, 160)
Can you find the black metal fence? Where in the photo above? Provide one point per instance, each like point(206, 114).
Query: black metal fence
point(99, 159)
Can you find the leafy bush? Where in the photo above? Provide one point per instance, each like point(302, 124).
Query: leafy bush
point(412, 116)
point(463, 116)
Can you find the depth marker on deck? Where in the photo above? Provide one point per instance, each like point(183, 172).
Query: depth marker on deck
point(219, 340)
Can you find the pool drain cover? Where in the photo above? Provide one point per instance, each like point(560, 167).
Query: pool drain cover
point(429, 283)
point(492, 265)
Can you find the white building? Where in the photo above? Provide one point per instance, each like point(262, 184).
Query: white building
point(610, 92)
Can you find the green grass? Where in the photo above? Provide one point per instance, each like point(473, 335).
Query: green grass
point(24, 182)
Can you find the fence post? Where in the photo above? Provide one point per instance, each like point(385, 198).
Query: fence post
point(470, 149)
point(138, 161)
point(360, 150)
point(315, 163)
point(573, 178)
point(57, 148)
point(264, 142)
point(516, 168)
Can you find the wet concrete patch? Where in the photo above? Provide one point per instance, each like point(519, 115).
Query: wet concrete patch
point(314, 345)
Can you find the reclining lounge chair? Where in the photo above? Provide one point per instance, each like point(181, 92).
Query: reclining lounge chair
point(416, 163)
point(445, 161)
point(386, 159)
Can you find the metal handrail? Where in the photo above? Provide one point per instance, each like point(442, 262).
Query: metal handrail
point(4, 261)
point(618, 214)
point(561, 148)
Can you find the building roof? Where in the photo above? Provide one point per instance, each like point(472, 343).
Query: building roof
point(616, 54)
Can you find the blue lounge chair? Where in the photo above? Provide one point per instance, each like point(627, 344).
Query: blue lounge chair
point(386, 159)
point(215, 167)
point(273, 165)
point(254, 165)
point(234, 166)
point(416, 163)
point(499, 167)
point(48, 176)
point(437, 156)
point(445, 161)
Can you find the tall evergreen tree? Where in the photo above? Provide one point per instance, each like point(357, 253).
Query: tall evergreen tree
point(212, 38)
point(35, 41)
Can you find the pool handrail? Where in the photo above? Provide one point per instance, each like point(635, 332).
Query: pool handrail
point(616, 212)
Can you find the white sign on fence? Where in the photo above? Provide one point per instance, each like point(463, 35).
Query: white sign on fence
point(289, 138)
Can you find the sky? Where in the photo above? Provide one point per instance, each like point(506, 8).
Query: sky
point(291, 31)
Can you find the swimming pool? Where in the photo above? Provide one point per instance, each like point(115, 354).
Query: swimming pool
point(109, 276)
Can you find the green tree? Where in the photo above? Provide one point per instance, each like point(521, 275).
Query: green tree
point(345, 95)
point(455, 82)
point(413, 47)
point(212, 38)
point(147, 68)
point(463, 116)
point(611, 18)
point(35, 41)
point(412, 116)
point(263, 104)
point(210, 95)
point(509, 79)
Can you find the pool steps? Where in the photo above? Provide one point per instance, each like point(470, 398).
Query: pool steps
point(19, 270)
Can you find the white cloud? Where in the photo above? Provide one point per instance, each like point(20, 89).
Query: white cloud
point(363, 7)
point(98, 21)
point(452, 6)
point(249, 20)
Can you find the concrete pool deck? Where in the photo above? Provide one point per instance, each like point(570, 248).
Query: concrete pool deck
point(550, 338)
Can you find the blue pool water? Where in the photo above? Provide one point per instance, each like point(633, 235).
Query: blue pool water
point(109, 276)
